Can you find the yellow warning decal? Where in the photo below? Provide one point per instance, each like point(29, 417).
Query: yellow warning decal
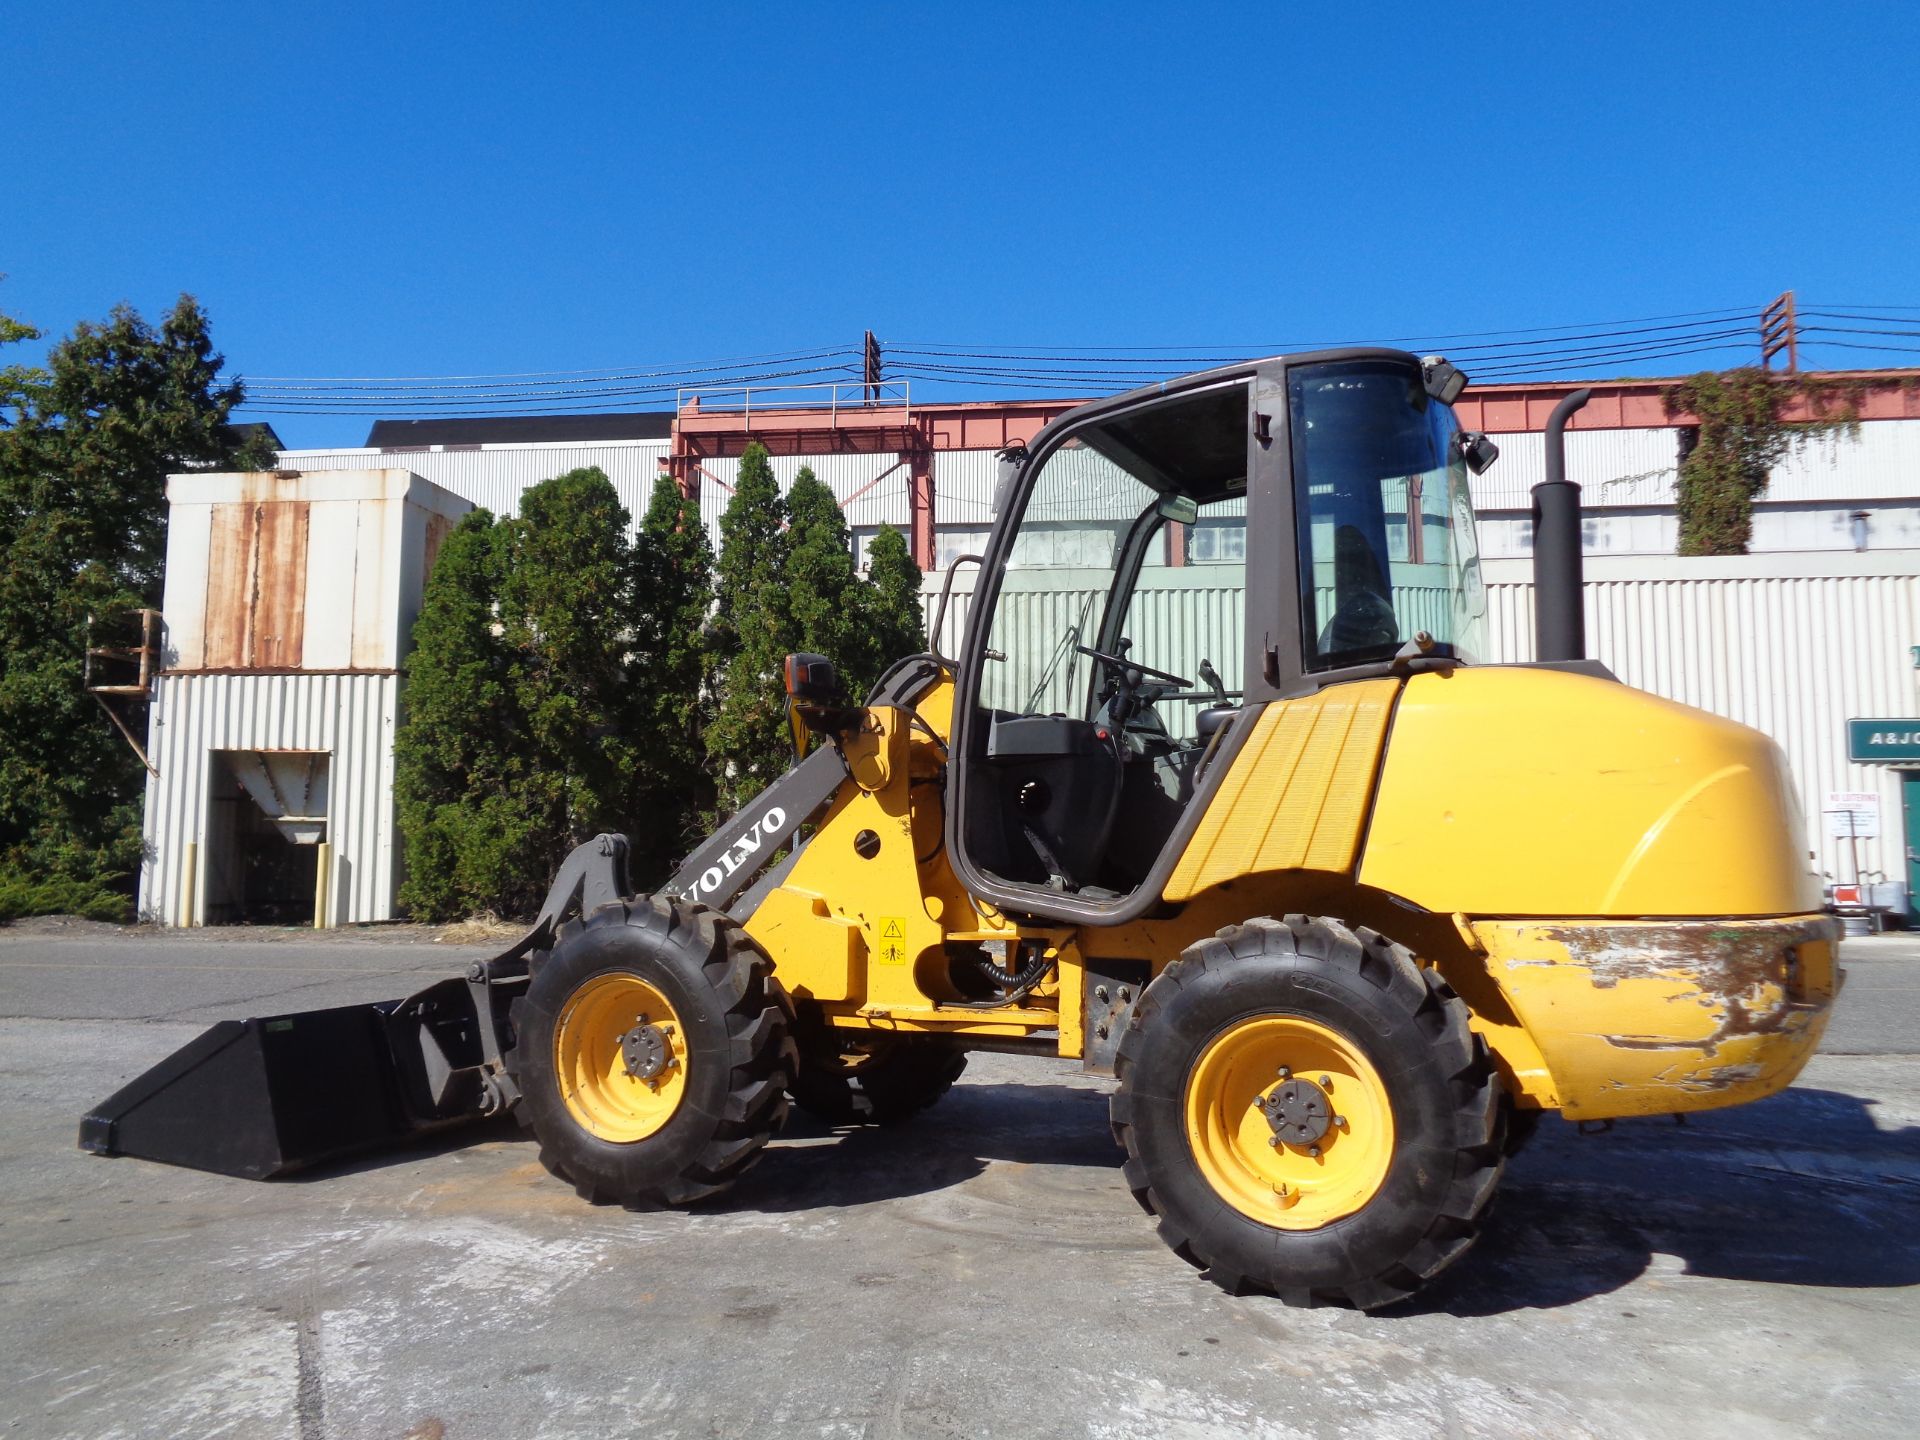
point(893, 940)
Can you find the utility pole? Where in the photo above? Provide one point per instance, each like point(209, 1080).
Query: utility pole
point(871, 375)
point(1780, 330)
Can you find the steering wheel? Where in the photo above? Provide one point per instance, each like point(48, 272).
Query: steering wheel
point(1121, 662)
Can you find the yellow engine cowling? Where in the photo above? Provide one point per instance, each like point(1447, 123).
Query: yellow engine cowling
point(1631, 871)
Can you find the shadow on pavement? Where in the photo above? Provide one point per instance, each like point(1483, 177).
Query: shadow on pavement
point(463, 1136)
point(944, 1146)
point(1800, 1189)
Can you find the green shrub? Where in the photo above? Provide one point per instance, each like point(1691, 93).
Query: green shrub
point(22, 895)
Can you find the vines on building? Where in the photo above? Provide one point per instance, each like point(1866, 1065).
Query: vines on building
point(1743, 433)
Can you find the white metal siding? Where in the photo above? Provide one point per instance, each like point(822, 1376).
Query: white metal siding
point(963, 486)
point(1880, 460)
point(1877, 460)
point(1794, 655)
point(495, 476)
point(351, 717)
point(1612, 467)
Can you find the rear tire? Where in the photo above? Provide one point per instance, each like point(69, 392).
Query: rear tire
point(1363, 1211)
point(685, 989)
point(870, 1078)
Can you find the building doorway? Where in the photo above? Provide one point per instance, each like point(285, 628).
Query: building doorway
point(266, 846)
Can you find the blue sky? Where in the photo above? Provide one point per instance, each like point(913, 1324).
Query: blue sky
point(403, 190)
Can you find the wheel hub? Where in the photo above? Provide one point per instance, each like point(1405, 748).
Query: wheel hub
point(1298, 1111)
point(646, 1051)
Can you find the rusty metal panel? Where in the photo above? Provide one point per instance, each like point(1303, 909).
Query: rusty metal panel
point(255, 613)
point(277, 623)
point(229, 587)
point(438, 528)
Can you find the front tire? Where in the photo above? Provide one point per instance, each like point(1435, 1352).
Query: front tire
point(652, 1054)
point(1308, 1113)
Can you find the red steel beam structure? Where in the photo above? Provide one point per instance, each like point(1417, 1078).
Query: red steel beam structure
point(915, 432)
point(1642, 404)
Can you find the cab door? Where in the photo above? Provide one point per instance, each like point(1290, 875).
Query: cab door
point(1119, 567)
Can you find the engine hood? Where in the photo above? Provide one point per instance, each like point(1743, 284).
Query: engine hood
point(1525, 792)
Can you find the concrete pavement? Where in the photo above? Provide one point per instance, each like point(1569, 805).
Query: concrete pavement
point(984, 1272)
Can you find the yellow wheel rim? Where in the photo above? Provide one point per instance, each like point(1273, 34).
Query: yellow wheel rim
point(1236, 1092)
point(619, 1055)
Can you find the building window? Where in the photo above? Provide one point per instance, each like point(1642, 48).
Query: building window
point(1218, 542)
point(950, 542)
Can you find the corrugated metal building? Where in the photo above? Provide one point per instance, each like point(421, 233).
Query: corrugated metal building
point(290, 600)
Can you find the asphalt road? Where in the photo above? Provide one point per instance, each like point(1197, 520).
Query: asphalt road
point(984, 1272)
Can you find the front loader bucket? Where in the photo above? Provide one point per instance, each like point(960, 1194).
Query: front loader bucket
point(264, 1097)
point(259, 1098)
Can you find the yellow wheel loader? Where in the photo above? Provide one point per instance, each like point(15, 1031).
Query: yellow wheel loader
point(1218, 796)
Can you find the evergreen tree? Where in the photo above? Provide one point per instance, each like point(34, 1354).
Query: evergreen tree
point(567, 616)
point(894, 624)
point(86, 445)
point(748, 742)
point(529, 707)
point(457, 761)
point(673, 595)
point(824, 593)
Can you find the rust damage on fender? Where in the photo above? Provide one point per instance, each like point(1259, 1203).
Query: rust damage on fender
point(1737, 971)
point(1724, 959)
point(1631, 1016)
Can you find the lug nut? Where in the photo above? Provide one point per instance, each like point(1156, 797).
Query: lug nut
point(1314, 1151)
point(1340, 1121)
point(1326, 1082)
point(1274, 1141)
point(1285, 1073)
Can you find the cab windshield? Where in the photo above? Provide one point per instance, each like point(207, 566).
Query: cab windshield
point(1385, 520)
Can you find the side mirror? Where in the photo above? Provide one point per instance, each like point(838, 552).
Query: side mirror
point(816, 701)
point(1477, 450)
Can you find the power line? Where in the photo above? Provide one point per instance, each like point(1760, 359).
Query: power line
point(689, 367)
point(1488, 355)
point(1276, 349)
point(1224, 358)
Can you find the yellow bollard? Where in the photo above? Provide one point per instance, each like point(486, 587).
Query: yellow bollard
point(190, 864)
point(322, 887)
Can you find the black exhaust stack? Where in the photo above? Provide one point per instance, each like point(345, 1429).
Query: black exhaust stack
point(1559, 608)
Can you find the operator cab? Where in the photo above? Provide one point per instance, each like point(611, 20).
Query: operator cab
point(1163, 563)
